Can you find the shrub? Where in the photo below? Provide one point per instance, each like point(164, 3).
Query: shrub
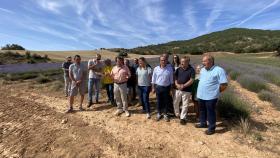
point(42, 79)
point(252, 83)
point(265, 95)
point(229, 106)
point(20, 76)
point(245, 126)
point(272, 78)
point(233, 75)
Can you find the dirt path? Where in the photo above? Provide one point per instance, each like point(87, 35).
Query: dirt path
point(98, 132)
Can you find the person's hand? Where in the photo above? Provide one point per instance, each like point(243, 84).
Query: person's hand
point(153, 90)
point(78, 82)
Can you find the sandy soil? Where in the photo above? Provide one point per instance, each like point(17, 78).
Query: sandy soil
point(33, 125)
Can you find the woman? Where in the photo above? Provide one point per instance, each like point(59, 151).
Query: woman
point(108, 81)
point(194, 89)
point(176, 62)
point(144, 76)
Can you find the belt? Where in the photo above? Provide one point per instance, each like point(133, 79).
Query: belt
point(120, 82)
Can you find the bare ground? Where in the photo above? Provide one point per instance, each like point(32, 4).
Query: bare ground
point(33, 125)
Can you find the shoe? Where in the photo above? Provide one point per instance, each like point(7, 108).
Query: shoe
point(183, 121)
point(70, 110)
point(81, 108)
point(148, 115)
point(166, 118)
point(207, 132)
point(159, 116)
point(89, 104)
point(118, 112)
point(127, 114)
point(200, 126)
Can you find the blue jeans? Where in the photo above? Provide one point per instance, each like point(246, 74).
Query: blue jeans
point(163, 99)
point(96, 83)
point(110, 92)
point(208, 112)
point(144, 92)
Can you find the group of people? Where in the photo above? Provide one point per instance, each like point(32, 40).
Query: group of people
point(175, 85)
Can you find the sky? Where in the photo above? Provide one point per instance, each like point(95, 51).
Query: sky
point(94, 24)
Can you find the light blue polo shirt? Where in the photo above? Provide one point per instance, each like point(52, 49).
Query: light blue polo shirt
point(209, 82)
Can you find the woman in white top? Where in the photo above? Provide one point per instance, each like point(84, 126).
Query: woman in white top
point(144, 76)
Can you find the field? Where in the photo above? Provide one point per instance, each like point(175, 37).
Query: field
point(33, 123)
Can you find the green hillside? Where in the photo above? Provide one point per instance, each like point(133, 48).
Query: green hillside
point(238, 40)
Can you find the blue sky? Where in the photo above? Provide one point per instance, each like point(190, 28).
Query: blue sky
point(92, 24)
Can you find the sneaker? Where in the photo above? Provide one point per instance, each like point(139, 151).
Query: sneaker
point(166, 118)
point(89, 104)
point(200, 126)
point(127, 114)
point(159, 116)
point(183, 121)
point(118, 112)
point(207, 132)
point(148, 115)
point(81, 108)
point(70, 110)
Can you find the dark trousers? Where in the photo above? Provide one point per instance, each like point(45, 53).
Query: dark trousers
point(110, 92)
point(208, 112)
point(163, 99)
point(144, 97)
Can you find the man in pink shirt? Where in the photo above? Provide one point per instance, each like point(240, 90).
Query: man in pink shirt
point(120, 74)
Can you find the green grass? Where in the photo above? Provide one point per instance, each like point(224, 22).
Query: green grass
point(231, 107)
point(252, 83)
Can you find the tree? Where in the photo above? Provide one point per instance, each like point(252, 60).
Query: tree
point(278, 50)
point(12, 47)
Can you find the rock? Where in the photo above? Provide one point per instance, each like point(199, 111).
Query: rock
point(64, 121)
point(201, 142)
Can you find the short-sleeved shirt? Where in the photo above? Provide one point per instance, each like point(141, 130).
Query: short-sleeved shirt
point(120, 74)
point(65, 66)
point(78, 71)
point(107, 78)
point(209, 82)
point(184, 75)
point(93, 73)
point(163, 76)
point(143, 76)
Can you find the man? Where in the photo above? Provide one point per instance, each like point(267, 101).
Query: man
point(184, 77)
point(120, 74)
point(162, 80)
point(77, 74)
point(67, 81)
point(212, 82)
point(170, 109)
point(95, 67)
point(131, 82)
point(135, 65)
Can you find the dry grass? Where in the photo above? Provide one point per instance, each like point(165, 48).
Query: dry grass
point(86, 55)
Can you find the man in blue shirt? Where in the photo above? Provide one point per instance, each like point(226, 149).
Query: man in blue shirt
point(212, 82)
point(162, 80)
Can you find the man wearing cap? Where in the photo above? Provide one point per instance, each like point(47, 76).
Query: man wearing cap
point(67, 81)
point(120, 74)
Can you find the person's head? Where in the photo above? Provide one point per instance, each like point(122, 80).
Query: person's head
point(185, 61)
point(163, 61)
point(98, 57)
point(126, 62)
point(198, 68)
point(166, 55)
point(142, 62)
point(69, 59)
point(119, 61)
point(208, 61)
point(77, 59)
point(176, 60)
point(107, 62)
point(136, 61)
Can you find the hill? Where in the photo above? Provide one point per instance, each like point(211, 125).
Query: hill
point(238, 40)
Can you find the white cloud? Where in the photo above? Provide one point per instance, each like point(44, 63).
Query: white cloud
point(6, 10)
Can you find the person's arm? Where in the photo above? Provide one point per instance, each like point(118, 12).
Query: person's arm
point(128, 72)
point(190, 82)
point(71, 75)
point(154, 77)
point(91, 65)
point(223, 87)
